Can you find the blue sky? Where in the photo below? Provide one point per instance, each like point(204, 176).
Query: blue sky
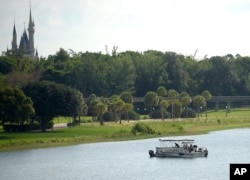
point(214, 27)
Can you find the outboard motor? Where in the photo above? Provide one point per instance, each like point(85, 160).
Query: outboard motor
point(206, 152)
point(151, 153)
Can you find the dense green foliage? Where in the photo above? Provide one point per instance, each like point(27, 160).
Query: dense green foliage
point(56, 84)
point(142, 128)
point(51, 100)
point(15, 106)
point(106, 75)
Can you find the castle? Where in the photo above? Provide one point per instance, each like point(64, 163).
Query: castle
point(26, 45)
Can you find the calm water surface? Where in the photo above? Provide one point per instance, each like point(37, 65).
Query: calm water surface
point(128, 160)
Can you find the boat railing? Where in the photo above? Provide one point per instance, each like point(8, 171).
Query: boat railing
point(175, 143)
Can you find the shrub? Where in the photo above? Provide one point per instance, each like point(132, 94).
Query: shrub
point(108, 116)
point(132, 115)
point(24, 128)
point(157, 114)
point(142, 128)
point(188, 113)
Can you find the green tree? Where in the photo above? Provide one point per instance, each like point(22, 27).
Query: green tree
point(15, 106)
point(151, 99)
point(191, 72)
point(185, 100)
point(164, 104)
point(150, 72)
point(126, 108)
point(91, 73)
point(207, 95)
point(220, 79)
point(173, 95)
point(91, 102)
point(127, 97)
point(198, 102)
point(176, 71)
point(74, 103)
point(162, 91)
point(241, 69)
point(116, 105)
point(6, 65)
point(51, 100)
point(122, 74)
point(100, 109)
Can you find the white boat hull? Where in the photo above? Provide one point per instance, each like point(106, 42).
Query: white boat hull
point(177, 152)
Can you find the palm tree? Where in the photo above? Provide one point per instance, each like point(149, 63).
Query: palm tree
point(173, 94)
point(163, 106)
point(151, 99)
point(91, 102)
point(116, 105)
point(198, 102)
point(207, 95)
point(185, 100)
point(100, 109)
point(126, 97)
point(126, 108)
point(161, 91)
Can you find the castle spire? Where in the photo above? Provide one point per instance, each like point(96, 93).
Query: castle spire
point(14, 38)
point(31, 30)
point(30, 18)
point(14, 29)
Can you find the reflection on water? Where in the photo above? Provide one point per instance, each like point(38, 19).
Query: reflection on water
point(128, 160)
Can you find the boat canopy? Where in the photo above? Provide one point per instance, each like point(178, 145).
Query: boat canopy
point(174, 140)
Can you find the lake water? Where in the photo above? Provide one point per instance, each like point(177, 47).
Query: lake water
point(128, 160)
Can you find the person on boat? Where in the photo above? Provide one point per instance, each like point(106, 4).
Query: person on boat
point(190, 148)
point(177, 145)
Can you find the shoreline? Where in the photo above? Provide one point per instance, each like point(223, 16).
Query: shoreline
point(190, 129)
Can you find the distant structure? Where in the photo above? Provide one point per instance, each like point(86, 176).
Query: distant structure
point(26, 44)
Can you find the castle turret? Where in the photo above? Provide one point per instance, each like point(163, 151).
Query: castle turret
point(24, 43)
point(31, 30)
point(14, 39)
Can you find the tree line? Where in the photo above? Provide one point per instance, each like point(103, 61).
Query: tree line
point(135, 72)
point(55, 85)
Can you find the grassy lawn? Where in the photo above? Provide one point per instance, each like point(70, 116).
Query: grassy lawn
point(61, 119)
point(93, 132)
